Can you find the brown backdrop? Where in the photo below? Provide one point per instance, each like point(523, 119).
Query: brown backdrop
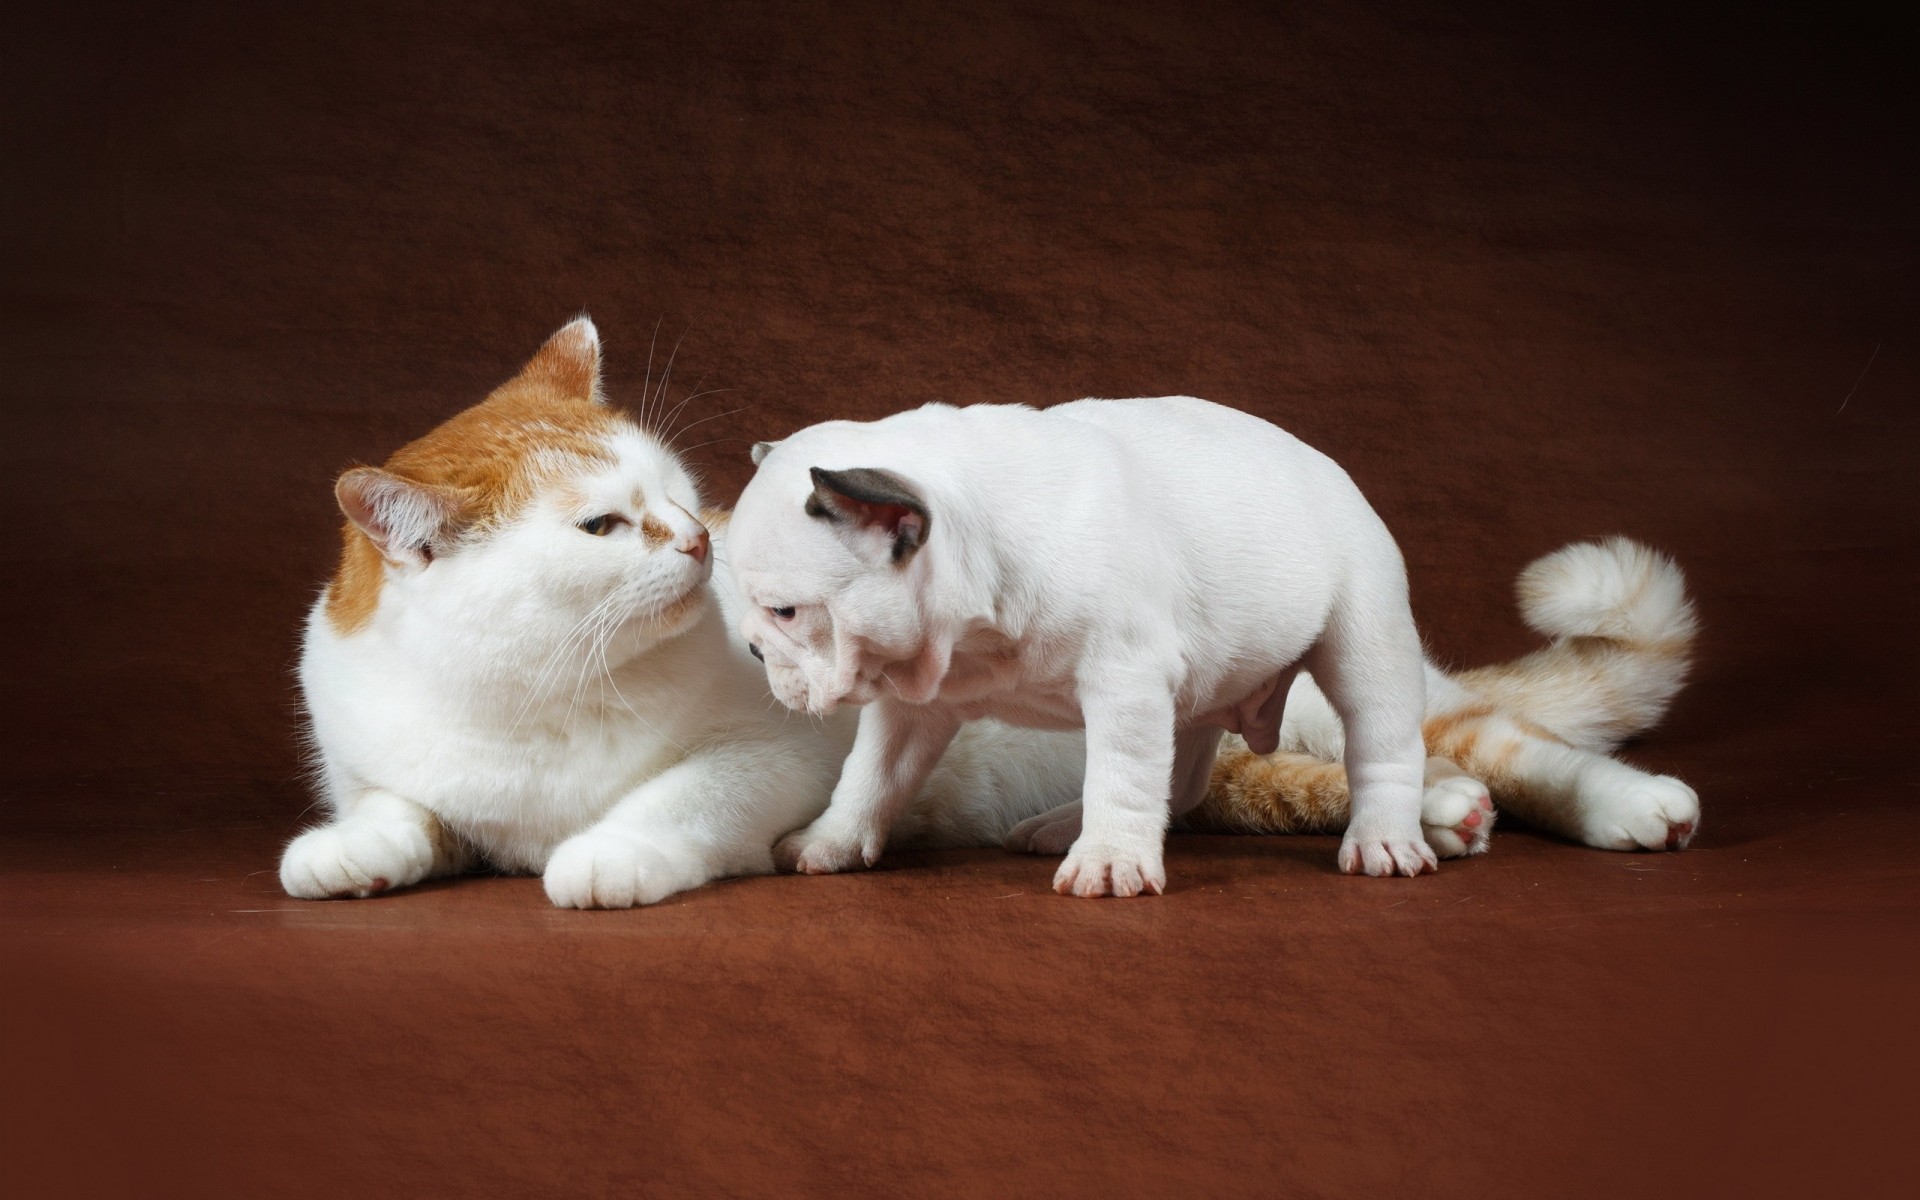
point(1530, 278)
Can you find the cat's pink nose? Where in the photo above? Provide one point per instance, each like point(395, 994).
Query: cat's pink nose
point(697, 546)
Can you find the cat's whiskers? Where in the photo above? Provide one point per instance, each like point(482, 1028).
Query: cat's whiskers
point(537, 693)
point(703, 420)
point(579, 680)
point(595, 643)
point(647, 387)
point(666, 435)
point(606, 670)
point(651, 727)
point(658, 400)
point(708, 442)
point(547, 665)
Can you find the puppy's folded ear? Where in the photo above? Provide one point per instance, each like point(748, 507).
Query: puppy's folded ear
point(403, 519)
point(761, 450)
point(875, 508)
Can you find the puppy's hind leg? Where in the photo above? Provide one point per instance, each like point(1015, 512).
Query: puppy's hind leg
point(1194, 749)
point(1369, 666)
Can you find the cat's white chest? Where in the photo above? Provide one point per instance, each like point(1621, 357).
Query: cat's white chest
point(515, 798)
point(517, 804)
point(513, 785)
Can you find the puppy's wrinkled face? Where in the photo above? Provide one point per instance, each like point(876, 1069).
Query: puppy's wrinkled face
point(832, 585)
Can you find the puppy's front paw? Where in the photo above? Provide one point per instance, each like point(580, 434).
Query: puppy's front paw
point(604, 868)
point(1381, 852)
point(1108, 870)
point(355, 858)
point(1657, 813)
point(824, 849)
point(1456, 815)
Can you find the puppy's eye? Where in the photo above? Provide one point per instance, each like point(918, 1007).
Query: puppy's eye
point(784, 614)
point(601, 525)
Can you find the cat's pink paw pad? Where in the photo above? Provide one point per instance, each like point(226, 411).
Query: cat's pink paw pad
point(1657, 812)
point(355, 858)
point(1457, 816)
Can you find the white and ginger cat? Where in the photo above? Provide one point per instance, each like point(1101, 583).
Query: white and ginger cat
point(522, 662)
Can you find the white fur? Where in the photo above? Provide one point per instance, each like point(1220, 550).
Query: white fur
point(549, 701)
point(559, 702)
point(1614, 589)
point(1151, 570)
point(1624, 605)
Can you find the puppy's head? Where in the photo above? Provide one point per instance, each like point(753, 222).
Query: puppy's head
point(832, 580)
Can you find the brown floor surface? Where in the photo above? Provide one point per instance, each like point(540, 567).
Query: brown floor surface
point(1529, 277)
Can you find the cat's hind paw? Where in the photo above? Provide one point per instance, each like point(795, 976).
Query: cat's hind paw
point(612, 869)
point(1456, 815)
point(1050, 832)
point(1657, 813)
point(357, 858)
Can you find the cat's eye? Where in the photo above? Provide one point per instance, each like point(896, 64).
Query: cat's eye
point(602, 525)
point(785, 614)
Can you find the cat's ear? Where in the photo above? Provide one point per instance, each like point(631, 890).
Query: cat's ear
point(875, 508)
point(401, 518)
point(570, 361)
point(761, 450)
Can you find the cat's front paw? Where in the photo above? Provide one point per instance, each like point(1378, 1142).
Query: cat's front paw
point(1386, 851)
point(1658, 812)
point(1111, 870)
point(613, 869)
point(1050, 832)
point(823, 848)
point(355, 858)
point(1456, 815)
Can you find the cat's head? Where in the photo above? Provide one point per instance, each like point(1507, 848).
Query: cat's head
point(537, 520)
point(834, 583)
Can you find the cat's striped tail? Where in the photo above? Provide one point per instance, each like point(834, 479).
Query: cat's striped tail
point(1622, 630)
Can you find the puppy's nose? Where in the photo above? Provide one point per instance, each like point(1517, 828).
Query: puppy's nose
point(755, 651)
point(697, 545)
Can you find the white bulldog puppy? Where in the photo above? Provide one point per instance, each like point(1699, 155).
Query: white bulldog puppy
point(1152, 570)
